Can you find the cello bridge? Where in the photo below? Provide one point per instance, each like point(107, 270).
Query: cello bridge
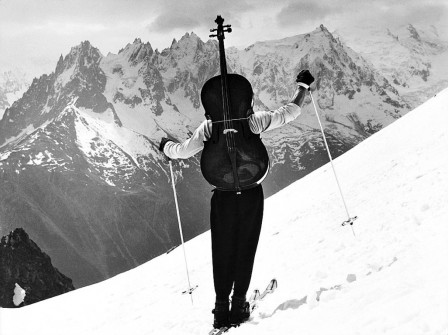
point(229, 131)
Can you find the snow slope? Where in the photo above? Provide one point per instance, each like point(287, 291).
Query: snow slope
point(389, 279)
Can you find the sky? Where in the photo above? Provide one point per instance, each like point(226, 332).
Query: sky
point(33, 34)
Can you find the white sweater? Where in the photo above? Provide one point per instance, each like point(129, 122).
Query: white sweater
point(258, 122)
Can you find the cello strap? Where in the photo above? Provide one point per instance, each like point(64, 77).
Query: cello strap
point(242, 118)
point(245, 126)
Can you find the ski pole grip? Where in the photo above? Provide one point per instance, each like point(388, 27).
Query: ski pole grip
point(305, 86)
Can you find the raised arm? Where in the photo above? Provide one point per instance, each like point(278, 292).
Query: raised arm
point(264, 121)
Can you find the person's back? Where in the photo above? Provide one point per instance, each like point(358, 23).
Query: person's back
point(236, 216)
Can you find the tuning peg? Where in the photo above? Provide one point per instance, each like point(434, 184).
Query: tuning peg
point(212, 30)
point(229, 30)
point(227, 26)
point(212, 35)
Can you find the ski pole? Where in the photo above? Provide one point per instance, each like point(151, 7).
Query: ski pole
point(190, 289)
point(350, 220)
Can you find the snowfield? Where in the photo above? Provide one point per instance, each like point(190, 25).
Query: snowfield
point(391, 278)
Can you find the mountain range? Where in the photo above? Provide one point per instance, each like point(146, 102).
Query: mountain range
point(80, 168)
point(411, 57)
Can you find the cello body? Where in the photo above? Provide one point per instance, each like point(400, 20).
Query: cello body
point(234, 158)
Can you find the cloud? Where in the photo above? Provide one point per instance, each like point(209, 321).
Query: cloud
point(81, 11)
point(349, 12)
point(191, 14)
point(168, 21)
point(298, 12)
point(416, 12)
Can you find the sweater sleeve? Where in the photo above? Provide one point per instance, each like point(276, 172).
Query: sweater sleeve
point(191, 146)
point(264, 121)
point(258, 123)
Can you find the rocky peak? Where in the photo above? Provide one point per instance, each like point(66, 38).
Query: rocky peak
point(389, 33)
point(413, 32)
point(83, 55)
point(326, 33)
point(16, 238)
point(137, 51)
point(189, 55)
point(24, 264)
point(190, 37)
point(60, 65)
point(190, 41)
point(88, 54)
point(140, 51)
point(323, 28)
point(83, 77)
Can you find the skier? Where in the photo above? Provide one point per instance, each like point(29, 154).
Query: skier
point(236, 218)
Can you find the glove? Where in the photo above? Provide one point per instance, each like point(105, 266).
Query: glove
point(305, 77)
point(163, 142)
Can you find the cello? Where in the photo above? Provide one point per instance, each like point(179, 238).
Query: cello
point(234, 158)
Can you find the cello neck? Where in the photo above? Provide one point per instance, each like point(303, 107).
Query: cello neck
point(222, 55)
point(222, 58)
point(220, 35)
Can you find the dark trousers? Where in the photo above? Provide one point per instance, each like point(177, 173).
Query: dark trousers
point(235, 221)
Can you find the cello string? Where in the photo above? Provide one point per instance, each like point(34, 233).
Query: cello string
point(224, 102)
point(232, 135)
point(232, 139)
point(228, 119)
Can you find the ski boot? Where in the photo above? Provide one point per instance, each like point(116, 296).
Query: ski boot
point(221, 314)
point(240, 311)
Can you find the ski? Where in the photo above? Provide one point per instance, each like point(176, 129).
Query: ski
point(218, 331)
point(272, 286)
point(254, 299)
point(255, 296)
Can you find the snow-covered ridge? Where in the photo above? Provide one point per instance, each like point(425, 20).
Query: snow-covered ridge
point(390, 279)
point(413, 58)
